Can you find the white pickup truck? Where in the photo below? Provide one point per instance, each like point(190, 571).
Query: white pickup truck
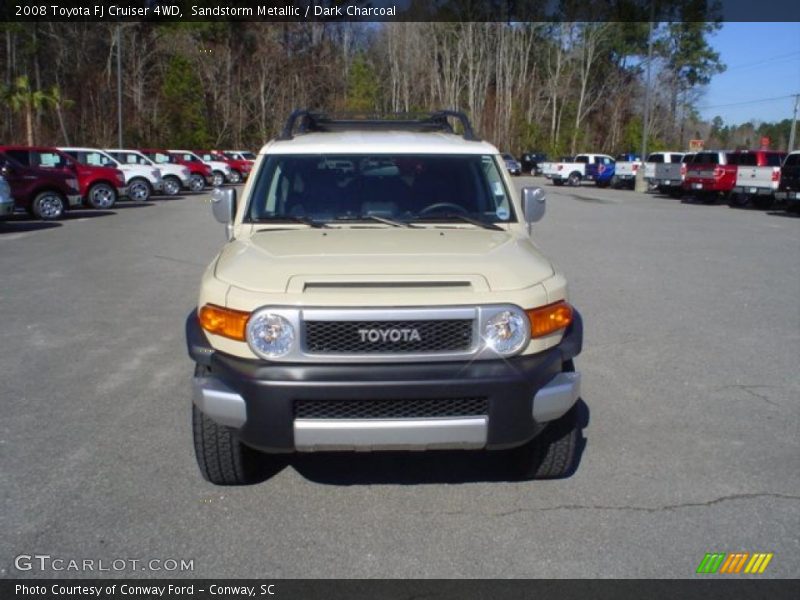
point(550, 168)
point(142, 181)
point(758, 175)
point(589, 167)
point(669, 171)
point(626, 169)
point(657, 158)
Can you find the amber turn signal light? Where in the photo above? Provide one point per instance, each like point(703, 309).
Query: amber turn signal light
point(226, 322)
point(549, 319)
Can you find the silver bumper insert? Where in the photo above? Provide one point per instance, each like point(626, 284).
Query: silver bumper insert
point(390, 434)
point(218, 402)
point(557, 397)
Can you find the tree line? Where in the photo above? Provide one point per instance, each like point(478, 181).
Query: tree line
point(558, 87)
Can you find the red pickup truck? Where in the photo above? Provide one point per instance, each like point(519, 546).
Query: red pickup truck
point(40, 179)
point(710, 175)
point(200, 173)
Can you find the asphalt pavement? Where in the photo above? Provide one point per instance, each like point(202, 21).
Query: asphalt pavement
point(690, 386)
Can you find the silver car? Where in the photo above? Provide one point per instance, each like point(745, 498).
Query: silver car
point(6, 201)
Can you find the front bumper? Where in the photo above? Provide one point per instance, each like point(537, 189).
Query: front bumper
point(259, 398)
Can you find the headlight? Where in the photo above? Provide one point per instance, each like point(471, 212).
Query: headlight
point(507, 331)
point(269, 335)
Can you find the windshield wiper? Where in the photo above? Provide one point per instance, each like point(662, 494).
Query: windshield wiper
point(384, 220)
point(458, 217)
point(291, 219)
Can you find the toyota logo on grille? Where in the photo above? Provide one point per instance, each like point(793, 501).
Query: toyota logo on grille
point(389, 335)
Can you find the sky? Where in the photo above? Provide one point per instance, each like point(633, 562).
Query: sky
point(763, 62)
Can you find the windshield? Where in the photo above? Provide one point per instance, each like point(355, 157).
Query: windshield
point(160, 157)
point(188, 156)
point(131, 158)
point(398, 187)
point(93, 158)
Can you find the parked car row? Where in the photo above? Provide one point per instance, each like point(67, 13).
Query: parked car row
point(46, 181)
point(743, 177)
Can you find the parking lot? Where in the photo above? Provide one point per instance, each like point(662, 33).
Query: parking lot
point(690, 385)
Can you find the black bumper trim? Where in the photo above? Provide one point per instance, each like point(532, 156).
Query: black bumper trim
point(270, 389)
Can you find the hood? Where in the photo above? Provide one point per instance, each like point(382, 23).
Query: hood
point(296, 260)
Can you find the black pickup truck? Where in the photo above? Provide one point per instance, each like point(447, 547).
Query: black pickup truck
point(789, 187)
point(532, 162)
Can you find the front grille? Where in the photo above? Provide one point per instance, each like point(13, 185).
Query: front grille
point(403, 337)
point(417, 408)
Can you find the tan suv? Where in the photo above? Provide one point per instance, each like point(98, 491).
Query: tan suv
point(380, 290)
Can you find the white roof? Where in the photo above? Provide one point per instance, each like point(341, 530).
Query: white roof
point(377, 142)
point(73, 149)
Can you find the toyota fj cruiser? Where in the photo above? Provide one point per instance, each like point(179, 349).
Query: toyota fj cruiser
point(380, 290)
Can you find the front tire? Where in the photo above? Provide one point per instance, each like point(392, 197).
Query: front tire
point(197, 182)
point(171, 185)
point(48, 206)
point(139, 190)
point(236, 177)
point(217, 178)
point(101, 196)
point(551, 454)
point(221, 457)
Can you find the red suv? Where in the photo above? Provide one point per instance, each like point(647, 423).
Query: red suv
point(41, 180)
point(200, 173)
point(710, 175)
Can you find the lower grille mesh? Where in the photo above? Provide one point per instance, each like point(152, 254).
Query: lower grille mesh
point(416, 408)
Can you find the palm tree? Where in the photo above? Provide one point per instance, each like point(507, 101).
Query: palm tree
point(58, 101)
point(22, 98)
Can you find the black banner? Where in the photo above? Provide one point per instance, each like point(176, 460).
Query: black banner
point(266, 589)
point(398, 10)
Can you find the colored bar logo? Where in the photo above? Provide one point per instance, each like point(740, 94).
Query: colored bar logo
point(735, 562)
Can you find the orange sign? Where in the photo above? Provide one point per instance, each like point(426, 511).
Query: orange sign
point(765, 142)
point(696, 145)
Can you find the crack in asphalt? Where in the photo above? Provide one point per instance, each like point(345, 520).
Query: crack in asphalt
point(750, 389)
point(647, 509)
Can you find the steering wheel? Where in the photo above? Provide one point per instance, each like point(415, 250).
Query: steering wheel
point(441, 206)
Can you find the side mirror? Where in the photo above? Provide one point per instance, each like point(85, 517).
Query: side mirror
point(223, 205)
point(533, 203)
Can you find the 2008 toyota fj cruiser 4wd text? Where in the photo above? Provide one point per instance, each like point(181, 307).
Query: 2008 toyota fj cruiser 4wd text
point(380, 291)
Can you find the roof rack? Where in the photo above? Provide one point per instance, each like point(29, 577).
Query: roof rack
point(307, 121)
